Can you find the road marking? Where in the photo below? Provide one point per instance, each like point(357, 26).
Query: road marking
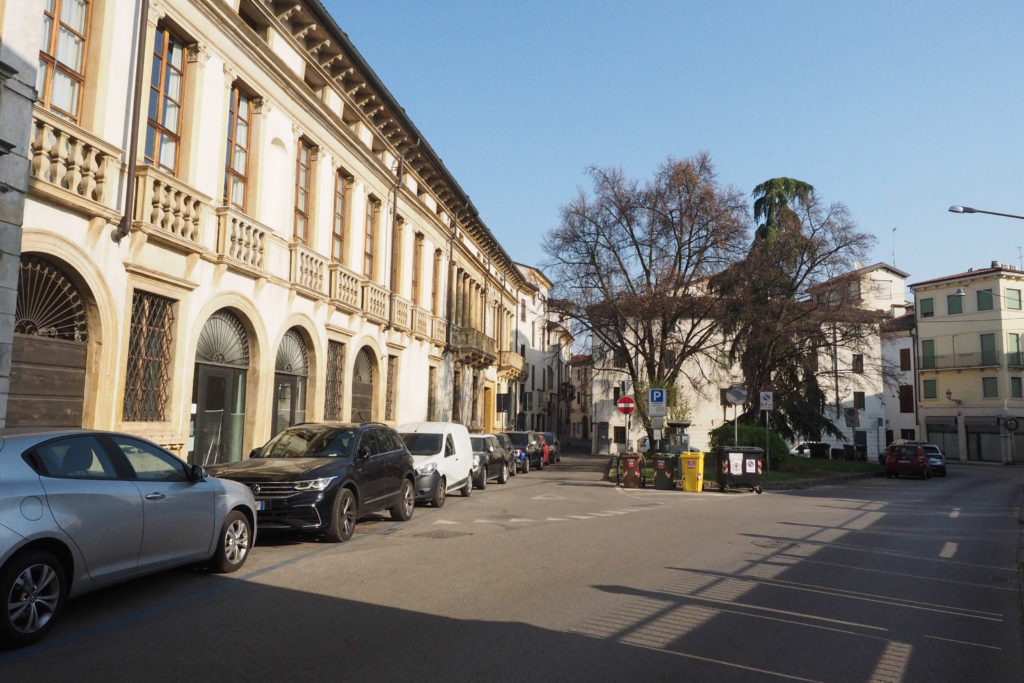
point(516, 519)
point(948, 550)
point(579, 517)
point(486, 521)
point(547, 496)
point(893, 663)
point(964, 642)
point(444, 521)
point(557, 519)
point(955, 513)
point(602, 514)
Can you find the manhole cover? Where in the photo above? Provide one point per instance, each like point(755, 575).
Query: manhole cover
point(444, 533)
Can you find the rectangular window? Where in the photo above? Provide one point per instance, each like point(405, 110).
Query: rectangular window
point(858, 363)
point(1013, 354)
point(370, 234)
point(954, 304)
point(984, 299)
point(906, 398)
point(60, 78)
point(620, 435)
point(435, 285)
point(396, 256)
point(929, 389)
point(303, 182)
point(389, 398)
point(522, 311)
point(927, 308)
point(988, 349)
point(148, 374)
point(335, 390)
point(166, 86)
point(417, 263)
point(1013, 299)
point(928, 354)
point(342, 189)
point(858, 400)
point(236, 165)
point(1016, 388)
point(904, 359)
point(432, 393)
point(990, 387)
point(907, 434)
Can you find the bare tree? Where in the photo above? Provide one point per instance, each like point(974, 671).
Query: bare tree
point(794, 301)
point(632, 262)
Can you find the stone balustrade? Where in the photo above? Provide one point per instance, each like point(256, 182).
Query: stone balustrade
point(308, 269)
point(68, 158)
point(375, 301)
point(241, 239)
point(168, 205)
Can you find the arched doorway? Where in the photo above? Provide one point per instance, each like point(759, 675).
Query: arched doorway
point(290, 378)
point(218, 391)
point(364, 376)
point(48, 357)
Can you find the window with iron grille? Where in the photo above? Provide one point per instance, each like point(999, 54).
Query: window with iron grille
point(432, 393)
point(60, 78)
point(389, 407)
point(149, 358)
point(457, 396)
point(335, 380)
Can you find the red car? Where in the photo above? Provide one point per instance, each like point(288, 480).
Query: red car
point(907, 459)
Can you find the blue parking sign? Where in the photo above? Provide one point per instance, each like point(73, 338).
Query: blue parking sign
point(656, 402)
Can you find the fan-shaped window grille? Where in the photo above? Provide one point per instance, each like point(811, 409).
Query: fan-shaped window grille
point(291, 355)
point(363, 370)
point(49, 305)
point(223, 341)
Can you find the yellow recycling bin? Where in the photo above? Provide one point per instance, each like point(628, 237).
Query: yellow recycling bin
point(693, 471)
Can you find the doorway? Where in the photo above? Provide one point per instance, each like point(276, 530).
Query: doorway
point(218, 391)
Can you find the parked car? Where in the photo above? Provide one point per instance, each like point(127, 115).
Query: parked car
point(555, 451)
point(506, 443)
point(490, 460)
point(80, 510)
point(320, 478)
point(906, 458)
point(936, 461)
point(527, 450)
point(443, 455)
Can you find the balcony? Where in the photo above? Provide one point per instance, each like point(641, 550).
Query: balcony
point(511, 366)
point(473, 347)
point(961, 361)
point(168, 210)
point(438, 330)
point(374, 302)
point(344, 288)
point(307, 271)
point(73, 167)
point(421, 322)
point(400, 312)
point(241, 241)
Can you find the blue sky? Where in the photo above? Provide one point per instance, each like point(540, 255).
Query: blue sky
point(896, 109)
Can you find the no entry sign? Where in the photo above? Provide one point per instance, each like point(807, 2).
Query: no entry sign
point(626, 405)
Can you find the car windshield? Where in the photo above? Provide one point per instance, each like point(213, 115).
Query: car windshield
point(479, 443)
point(309, 442)
point(422, 444)
point(517, 439)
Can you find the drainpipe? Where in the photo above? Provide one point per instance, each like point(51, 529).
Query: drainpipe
point(125, 226)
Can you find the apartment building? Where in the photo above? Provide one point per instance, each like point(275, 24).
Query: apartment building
point(899, 372)
point(232, 226)
point(970, 368)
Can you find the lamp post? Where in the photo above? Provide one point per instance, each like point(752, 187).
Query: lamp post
point(956, 208)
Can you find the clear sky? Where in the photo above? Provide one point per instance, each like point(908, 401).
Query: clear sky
point(897, 109)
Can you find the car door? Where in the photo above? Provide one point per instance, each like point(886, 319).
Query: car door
point(391, 466)
point(494, 456)
point(178, 512)
point(93, 500)
point(369, 468)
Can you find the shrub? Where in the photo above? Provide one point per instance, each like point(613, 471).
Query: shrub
point(750, 435)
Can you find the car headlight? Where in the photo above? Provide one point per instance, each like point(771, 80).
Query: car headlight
point(429, 468)
point(476, 460)
point(313, 484)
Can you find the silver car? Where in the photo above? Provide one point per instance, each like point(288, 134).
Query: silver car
point(80, 510)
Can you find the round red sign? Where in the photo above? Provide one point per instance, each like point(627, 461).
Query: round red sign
point(626, 405)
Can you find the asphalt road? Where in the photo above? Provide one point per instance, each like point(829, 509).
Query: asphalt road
point(558, 576)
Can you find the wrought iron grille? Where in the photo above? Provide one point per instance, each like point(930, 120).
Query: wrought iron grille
point(223, 341)
point(291, 355)
point(49, 305)
point(149, 358)
point(389, 408)
point(335, 380)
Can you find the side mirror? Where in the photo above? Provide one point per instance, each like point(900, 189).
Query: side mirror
point(364, 452)
point(254, 452)
point(198, 473)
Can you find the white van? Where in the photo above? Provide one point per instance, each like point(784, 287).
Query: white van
point(443, 455)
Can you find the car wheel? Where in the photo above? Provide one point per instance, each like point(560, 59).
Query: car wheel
point(343, 517)
point(927, 473)
point(33, 588)
point(526, 466)
point(503, 474)
point(540, 463)
point(234, 544)
point(403, 510)
point(439, 495)
point(467, 488)
point(481, 482)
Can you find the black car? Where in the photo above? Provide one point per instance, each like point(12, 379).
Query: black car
point(506, 443)
point(490, 460)
point(527, 450)
point(320, 478)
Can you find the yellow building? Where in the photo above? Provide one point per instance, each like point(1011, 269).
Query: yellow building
point(969, 363)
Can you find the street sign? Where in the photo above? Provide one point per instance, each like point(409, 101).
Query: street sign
point(656, 402)
point(766, 400)
point(626, 405)
point(736, 394)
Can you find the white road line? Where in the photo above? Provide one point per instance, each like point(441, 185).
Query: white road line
point(557, 519)
point(516, 519)
point(955, 513)
point(486, 521)
point(964, 642)
point(948, 550)
point(579, 517)
point(444, 521)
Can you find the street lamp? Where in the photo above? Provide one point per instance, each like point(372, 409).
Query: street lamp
point(956, 208)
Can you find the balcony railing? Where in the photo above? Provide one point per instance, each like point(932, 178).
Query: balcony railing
point(345, 288)
point(474, 347)
point(960, 361)
point(72, 163)
point(308, 269)
point(511, 365)
point(168, 207)
point(241, 241)
point(375, 302)
point(439, 330)
point(400, 312)
point(421, 322)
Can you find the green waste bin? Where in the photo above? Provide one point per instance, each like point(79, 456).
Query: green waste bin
point(666, 471)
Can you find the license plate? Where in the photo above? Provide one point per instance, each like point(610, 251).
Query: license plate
point(260, 505)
